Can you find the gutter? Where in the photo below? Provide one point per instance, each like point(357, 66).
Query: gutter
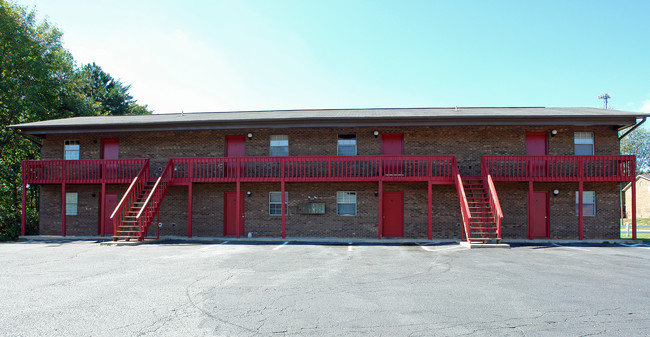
point(632, 128)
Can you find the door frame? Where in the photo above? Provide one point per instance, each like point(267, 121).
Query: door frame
point(393, 134)
point(548, 215)
point(384, 212)
point(233, 194)
point(108, 140)
point(107, 212)
point(545, 134)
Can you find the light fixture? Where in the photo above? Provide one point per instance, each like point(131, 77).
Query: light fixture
point(248, 193)
point(553, 133)
point(250, 136)
point(556, 192)
point(376, 133)
point(376, 193)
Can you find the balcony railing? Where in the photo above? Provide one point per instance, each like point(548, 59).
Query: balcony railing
point(560, 168)
point(90, 171)
point(306, 169)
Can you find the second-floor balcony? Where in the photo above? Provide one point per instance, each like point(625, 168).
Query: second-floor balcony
point(87, 171)
point(560, 168)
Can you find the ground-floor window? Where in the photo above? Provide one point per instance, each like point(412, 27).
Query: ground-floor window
point(275, 203)
point(346, 203)
point(588, 203)
point(71, 200)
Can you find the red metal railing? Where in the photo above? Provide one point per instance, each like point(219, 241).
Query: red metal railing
point(87, 171)
point(135, 191)
point(466, 215)
point(154, 198)
point(305, 169)
point(495, 205)
point(560, 168)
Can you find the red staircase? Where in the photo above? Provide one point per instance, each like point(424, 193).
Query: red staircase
point(482, 221)
point(129, 228)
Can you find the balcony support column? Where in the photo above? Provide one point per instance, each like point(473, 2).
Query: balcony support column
point(530, 209)
point(283, 209)
point(580, 211)
point(63, 215)
point(633, 182)
point(102, 209)
point(380, 226)
point(23, 216)
point(430, 209)
point(238, 207)
point(189, 209)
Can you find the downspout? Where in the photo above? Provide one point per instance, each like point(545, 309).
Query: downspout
point(632, 128)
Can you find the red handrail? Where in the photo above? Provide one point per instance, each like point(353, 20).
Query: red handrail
point(466, 216)
point(86, 171)
point(130, 196)
point(154, 199)
point(560, 168)
point(493, 198)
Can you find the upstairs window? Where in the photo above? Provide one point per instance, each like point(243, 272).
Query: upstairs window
point(588, 203)
point(71, 149)
point(584, 143)
point(279, 146)
point(347, 145)
point(346, 203)
point(275, 203)
point(71, 200)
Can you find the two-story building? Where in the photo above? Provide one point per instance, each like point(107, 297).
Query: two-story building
point(486, 173)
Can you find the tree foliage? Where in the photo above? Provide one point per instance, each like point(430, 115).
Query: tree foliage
point(638, 143)
point(38, 81)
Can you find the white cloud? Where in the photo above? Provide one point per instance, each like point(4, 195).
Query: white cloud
point(646, 106)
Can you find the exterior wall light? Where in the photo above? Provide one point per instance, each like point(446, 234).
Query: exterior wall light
point(248, 193)
point(553, 133)
point(556, 192)
point(376, 133)
point(250, 136)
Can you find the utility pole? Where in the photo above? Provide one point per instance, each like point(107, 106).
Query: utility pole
point(605, 97)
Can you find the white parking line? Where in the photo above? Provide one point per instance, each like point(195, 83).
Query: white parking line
point(280, 246)
point(576, 248)
point(223, 243)
point(636, 245)
point(349, 246)
point(441, 248)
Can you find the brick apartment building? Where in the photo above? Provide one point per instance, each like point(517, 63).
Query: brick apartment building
point(358, 173)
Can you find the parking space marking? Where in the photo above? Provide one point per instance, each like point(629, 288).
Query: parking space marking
point(636, 245)
point(223, 243)
point(576, 248)
point(349, 246)
point(440, 249)
point(280, 246)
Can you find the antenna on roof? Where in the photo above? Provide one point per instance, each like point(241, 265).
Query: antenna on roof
point(605, 97)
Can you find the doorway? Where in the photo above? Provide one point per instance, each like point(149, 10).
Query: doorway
point(393, 213)
point(539, 224)
point(230, 214)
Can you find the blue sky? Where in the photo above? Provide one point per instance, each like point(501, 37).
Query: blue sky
point(257, 55)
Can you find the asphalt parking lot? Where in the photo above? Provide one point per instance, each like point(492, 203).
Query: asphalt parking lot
point(80, 288)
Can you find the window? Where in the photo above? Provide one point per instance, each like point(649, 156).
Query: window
point(347, 145)
point(584, 143)
point(346, 203)
point(279, 145)
point(588, 203)
point(275, 203)
point(71, 203)
point(71, 148)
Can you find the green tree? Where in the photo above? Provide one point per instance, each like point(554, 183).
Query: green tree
point(638, 143)
point(39, 81)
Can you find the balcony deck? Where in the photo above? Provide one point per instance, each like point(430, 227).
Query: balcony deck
point(617, 168)
point(87, 171)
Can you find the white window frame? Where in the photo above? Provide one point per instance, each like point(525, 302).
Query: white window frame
point(346, 141)
point(71, 203)
point(278, 142)
point(588, 198)
point(343, 198)
point(71, 149)
point(583, 138)
point(286, 203)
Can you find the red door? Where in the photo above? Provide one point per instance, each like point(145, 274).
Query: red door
point(539, 215)
point(537, 145)
point(393, 213)
point(110, 202)
point(110, 150)
point(230, 214)
point(392, 144)
point(235, 147)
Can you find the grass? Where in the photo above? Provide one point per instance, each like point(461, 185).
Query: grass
point(641, 224)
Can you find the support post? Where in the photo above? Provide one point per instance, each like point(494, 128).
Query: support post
point(430, 210)
point(283, 210)
point(530, 209)
point(63, 201)
point(238, 205)
point(633, 208)
point(580, 213)
point(102, 210)
point(23, 216)
point(189, 210)
point(381, 209)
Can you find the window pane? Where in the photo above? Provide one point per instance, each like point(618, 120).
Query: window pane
point(584, 150)
point(275, 209)
point(588, 203)
point(583, 138)
point(347, 150)
point(71, 149)
point(71, 203)
point(277, 151)
point(346, 209)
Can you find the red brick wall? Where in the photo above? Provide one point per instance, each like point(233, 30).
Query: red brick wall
point(466, 142)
